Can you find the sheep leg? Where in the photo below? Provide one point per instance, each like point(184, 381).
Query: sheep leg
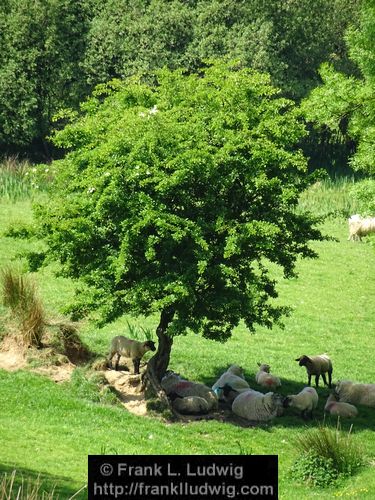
point(309, 380)
point(109, 359)
point(136, 363)
point(117, 362)
point(330, 379)
point(317, 380)
point(324, 378)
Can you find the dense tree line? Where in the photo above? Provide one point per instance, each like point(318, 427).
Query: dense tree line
point(54, 52)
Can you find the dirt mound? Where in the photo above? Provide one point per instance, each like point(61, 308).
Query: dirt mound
point(12, 354)
point(128, 390)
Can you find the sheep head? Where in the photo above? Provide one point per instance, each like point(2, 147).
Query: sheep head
point(303, 360)
point(150, 345)
point(264, 367)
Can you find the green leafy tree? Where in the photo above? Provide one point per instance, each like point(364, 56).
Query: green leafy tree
point(175, 198)
point(345, 105)
point(41, 45)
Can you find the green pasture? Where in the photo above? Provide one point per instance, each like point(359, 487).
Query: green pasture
point(49, 429)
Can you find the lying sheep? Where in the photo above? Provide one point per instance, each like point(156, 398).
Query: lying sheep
point(305, 401)
point(175, 386)
point(256, 406)
point(359, 227)
point(317, 365)
point(230, 384)
point(351, 392)
point(191, 405)
point(334, 407)
point(129, 348)
point(265, 379)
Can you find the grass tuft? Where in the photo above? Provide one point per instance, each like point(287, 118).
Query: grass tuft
point(23, 490)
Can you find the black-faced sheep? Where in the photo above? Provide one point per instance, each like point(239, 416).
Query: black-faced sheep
point(305, 401)
point(175, 386)
point(359, 226)
point(230, 384)
point(352, 392)
point(317, 365)
point(258, 407)
point(129, 348)
point(265, 379)
point(334, 407)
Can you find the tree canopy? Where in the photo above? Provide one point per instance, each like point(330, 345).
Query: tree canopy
point(345, 104)
point(177, 196)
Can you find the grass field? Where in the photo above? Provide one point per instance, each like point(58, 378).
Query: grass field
point(49, 429)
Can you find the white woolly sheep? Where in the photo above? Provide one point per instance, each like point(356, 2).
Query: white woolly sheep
point(191, 405)
point(175, 386)
point(334, 407)
point(352, 392)
point(317, 365)
point(230, 384)
point(129, 348)
point(256, 406)
point(359, 226)
point(305, 401)
point(265, 379)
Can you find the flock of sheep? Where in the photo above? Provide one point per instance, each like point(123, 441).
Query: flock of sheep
point(231, 388)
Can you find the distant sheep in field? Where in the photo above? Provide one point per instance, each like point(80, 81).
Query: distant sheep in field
point(359, 226)
point(129, 348)
point(334, 407)
point(317, 365)
point(352, 392)
point(176, 387)
point(230, 384)
point(265, 379)
point(258, 407)
point(305, 401)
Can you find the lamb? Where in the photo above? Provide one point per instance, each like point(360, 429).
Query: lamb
point(256, 406)
point(359, 226)
point(305, 401)
point(175, 386)
point(317, 365)
point(230, 384)
point(265, 379)
point(334, 407)
point(191, 405)
point(129, 348)
point(352, 392)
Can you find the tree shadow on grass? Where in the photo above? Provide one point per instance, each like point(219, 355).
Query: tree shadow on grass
point(31, 481)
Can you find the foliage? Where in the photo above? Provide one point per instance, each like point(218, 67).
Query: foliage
point(92, 387)
point(327, 455)
point(14, 183)
point(41, 45)
point(27, 490)
point(345, 104)
point(363, 193)
point(177, 197)
point(19, 294)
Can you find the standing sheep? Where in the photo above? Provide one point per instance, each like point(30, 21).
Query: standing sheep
point(230, 384)
point(176, 387)
point(305, 401)
point(256, 406)
point(351, 392)
point(359, 227)
point(334, 407)
point(129, 348)
point(317, 365)
point(265, 379)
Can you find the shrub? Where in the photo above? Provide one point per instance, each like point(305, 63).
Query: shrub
point(14, 183)
point(364, 195)
point(328, 454)
point(12, 487)
point(20, 295)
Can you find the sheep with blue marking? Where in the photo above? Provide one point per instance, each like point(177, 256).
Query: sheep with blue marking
point(258, 407)
point(230, 384)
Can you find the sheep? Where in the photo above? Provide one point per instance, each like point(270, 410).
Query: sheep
point(175, 386)
point(359, 226)
point(191, 405)
point(232, 381)
point(129, 348)
point(305, 401)
point(265, 379)
point(256, 406)
point(352, 392)
point(317, 365)
point(334, 407)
